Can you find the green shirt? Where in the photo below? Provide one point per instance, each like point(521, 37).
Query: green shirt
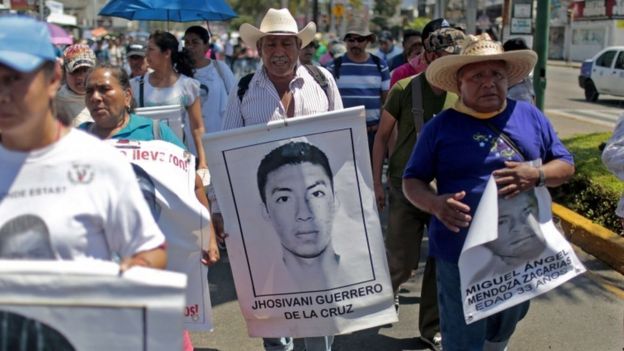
point(141, 128)
point(399, 105)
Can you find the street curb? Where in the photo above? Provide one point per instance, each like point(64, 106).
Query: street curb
point(570, 64)
point(595, 239)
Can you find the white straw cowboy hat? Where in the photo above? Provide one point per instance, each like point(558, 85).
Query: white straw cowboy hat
point(277, 22)
point(442, 72)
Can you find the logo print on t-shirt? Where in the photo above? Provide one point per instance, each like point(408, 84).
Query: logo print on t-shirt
point(497, 145)
point(80, 174)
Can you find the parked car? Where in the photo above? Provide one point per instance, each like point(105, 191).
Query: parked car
point(603, 73)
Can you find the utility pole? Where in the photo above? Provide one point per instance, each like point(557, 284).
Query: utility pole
point(315, 13)
point(541, 47)
point(471, 16)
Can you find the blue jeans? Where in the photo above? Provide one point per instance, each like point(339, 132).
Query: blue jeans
point(319, 343)
point(491, 333)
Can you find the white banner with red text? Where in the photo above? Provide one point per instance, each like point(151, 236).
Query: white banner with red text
point(166, 176)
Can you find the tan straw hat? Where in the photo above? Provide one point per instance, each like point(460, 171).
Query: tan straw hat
point(277, 22)
point(442, 72)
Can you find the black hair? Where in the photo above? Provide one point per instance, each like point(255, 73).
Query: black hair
point(23, 223)
point(200, 31)
point(27, 222)
point(515, 44)
point(48, 68)
point(122, 77)
point(180, 60)
point(292, 153)
point(408, 33)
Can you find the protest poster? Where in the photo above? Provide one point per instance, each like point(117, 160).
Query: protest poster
point(305, 243)
point(166, 176)
point(86, 305)
point(513, 252)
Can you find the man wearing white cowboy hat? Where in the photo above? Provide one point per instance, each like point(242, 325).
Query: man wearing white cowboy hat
point(270, 94)
point(484, 134)
point(281, 89)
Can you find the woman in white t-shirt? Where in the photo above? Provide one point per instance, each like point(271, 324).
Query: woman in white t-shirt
point(215, 77)
point(171, 83)
point(64, 195)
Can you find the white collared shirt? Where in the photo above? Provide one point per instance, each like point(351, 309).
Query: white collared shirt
point(262, 103)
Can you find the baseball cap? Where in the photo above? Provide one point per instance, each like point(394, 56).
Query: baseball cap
point(386, 36)
point(434, 25)
point(135, 49)
point(445, 39)
point(78, 55)
point(24, 43)
point(360, 31)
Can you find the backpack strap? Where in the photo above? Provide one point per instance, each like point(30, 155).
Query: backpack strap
point(243, 86)
point(377, 61)
point(319, 77)
point(417, 103)
point(505, 138)
point(141, 89)
point(156, 129)
point(337, 64)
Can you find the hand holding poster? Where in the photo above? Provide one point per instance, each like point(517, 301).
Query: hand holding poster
point(166, 175)
point(304, 241)
point(513, 252)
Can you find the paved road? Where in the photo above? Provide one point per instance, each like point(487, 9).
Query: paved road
point(566, 103)
point(584, 314)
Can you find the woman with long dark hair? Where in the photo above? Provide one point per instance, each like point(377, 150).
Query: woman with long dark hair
point(171, 83)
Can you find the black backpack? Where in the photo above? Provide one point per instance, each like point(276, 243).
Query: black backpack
point(315, 72)
point(338, 63)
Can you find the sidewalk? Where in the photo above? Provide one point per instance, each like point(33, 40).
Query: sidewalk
point(561, 63)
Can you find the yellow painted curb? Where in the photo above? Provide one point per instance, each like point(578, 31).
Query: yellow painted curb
point(591, 237)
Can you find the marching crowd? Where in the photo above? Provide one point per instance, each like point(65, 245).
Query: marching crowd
point(53, 111)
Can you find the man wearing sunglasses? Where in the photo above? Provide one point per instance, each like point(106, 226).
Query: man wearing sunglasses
point(362, 78)
point(406, 223)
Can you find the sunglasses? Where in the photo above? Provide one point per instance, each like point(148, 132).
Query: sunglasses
point(354, 39)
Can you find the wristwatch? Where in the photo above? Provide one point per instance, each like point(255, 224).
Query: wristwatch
point(541, 180)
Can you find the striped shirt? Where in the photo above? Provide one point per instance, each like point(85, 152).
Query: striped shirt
point(262, 103)
point(362, 84)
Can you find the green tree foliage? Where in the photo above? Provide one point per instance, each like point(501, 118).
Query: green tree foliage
point(418, 23)
point(251, 11)
point(385, 8)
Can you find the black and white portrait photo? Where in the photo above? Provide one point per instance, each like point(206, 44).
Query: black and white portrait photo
point(520, 238)
point(304, 237)
point(305, 232)
point(22, 333)
point(25, 237)
point(513, 252)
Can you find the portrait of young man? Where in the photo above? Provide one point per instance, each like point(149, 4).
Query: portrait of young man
point(520, 238)
point(296, 185)
point(300, 215)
